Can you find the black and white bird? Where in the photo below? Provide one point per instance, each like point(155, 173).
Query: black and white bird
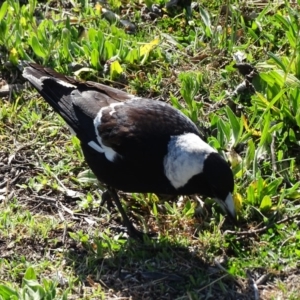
point(135, 144)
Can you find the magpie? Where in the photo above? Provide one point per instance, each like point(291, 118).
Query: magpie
point(182, 4)
point(135, 144)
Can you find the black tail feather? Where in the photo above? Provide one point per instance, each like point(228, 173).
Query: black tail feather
point(55, 90)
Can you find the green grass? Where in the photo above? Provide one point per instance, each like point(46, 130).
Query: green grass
point(56, 242)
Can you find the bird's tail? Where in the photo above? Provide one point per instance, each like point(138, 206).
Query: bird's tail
point(55, 88)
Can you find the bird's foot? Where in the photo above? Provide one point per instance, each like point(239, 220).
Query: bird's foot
point(106, 200)
point(132, 231)
point(139, 235)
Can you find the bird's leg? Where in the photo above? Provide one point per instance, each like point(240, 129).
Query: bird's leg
point(132, 231)
point(106, 199)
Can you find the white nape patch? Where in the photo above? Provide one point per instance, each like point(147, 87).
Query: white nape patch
point(109, 153)
point(185, 158)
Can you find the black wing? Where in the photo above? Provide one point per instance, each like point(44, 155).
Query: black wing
point(77, 102)
point(142, 127)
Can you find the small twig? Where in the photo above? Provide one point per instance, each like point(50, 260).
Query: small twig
point(262, 229)
point(37, 206)
point(68, 210)
point(64, 233)
point(4, 183)
point(46, 199)
point(62, 218)
point(220, 266)
point(262, 279)
point(67, 191)
point(12, 156)
point(57, 203)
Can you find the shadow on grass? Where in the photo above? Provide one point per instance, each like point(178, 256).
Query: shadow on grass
point(154, 269)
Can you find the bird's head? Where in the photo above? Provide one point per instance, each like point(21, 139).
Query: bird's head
point(194, 167)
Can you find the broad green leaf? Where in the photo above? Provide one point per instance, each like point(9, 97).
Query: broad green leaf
point(95, 58)
point(30, 274)
point(293, 192)
point(279, 77)
point(132, 56)
point(13, 56)
point(168, 207)
point(265, 133)
point(235, 125)
point(7, 293)
point(37, 47)
point(292, 39)
point(109, 49)
point(3, 10)
point(92, 34)
point(283, 21)
point(238, 202)
point(266, 203)
point(206, 20)
point(115, 69)
point(214, 142)
point(147, 48)
point(297, 251)
point(3, 30)
point(223, 132)
point(277, 60)
point(154, 209)
point(250, 153)
point(273, 186)
point(250, 195)
point(269, 105)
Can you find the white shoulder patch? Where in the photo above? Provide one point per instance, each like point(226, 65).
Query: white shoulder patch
point(38, 82)
point(61, 82)
point(112, 106)
point(185, 158)
point(135, 98)
point(32, 79)
point(109, 153)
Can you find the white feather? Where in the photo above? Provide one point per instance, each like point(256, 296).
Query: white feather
point(95, 146)
point(38, 82)
point(35, 81)
point(109, 153)
point(112, 106)
point(61, 82)
point(185, 158)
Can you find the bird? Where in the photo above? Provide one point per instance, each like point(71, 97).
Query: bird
point(134, 144)
point(186, 4)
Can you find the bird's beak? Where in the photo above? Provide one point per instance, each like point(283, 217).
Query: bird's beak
point(228, 206)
